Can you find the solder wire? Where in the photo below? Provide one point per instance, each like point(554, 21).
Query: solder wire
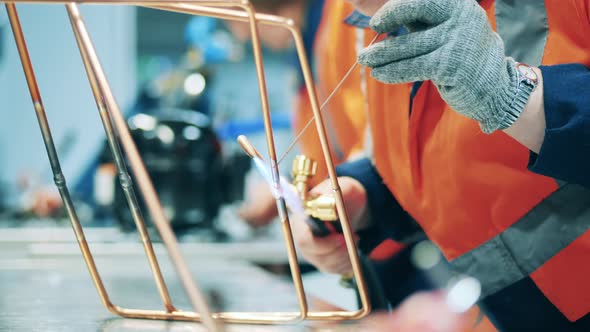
point(324, 104)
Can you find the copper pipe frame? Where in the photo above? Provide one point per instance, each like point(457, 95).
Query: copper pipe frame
point(64, 192)
point(110, 112)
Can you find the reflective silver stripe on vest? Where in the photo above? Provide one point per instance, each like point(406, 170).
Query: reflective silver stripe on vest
point(524, 27)
point(561, 218)
point(531, 242)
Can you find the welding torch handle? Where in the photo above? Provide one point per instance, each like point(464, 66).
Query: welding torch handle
point(320, 228)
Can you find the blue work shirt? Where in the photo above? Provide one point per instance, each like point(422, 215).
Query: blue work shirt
point(565, 153)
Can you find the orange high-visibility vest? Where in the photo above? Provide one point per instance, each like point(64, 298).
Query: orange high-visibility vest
point(471, 192)
point(345, 117)
point(335, 53)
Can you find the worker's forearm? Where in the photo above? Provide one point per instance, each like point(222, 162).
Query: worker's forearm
point(529, 129)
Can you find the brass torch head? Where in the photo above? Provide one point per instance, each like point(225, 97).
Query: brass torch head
point(248, 147)
point(322, 207)
point(302, 171)
point(304, 166)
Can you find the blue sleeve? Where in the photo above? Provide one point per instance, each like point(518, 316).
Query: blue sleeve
point(388, 218)
point(565, 153)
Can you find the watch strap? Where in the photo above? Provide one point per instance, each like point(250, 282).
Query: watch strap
point(524, 89)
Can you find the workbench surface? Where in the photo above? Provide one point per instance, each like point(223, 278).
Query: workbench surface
point(54, 292)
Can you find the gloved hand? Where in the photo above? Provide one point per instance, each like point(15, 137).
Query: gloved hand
point(451, 43)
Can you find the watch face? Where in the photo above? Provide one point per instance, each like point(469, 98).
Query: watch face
point(527, 72)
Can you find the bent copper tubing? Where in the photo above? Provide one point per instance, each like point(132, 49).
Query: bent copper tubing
point(280, 202)
point(343, 216)
point(58, 176)
point(148, 192)
point(209, 3)
point(107, 106)
point(194, 9)
point(161, 222)
point(124, 177)
point(250, 16)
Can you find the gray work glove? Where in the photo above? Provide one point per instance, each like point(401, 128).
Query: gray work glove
point(451, 43)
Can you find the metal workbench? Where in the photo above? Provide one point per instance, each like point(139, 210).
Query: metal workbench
point(44, 285)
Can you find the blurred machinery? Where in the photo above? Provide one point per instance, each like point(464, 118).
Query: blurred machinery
point(185, 161)
point(119, 135)
point(172, 128)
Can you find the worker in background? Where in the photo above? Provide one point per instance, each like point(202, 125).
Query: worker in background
point(523, 235)
point(324, 32)
point(320, 22)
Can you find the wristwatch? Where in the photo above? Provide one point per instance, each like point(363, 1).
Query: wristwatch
point(527, 81)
